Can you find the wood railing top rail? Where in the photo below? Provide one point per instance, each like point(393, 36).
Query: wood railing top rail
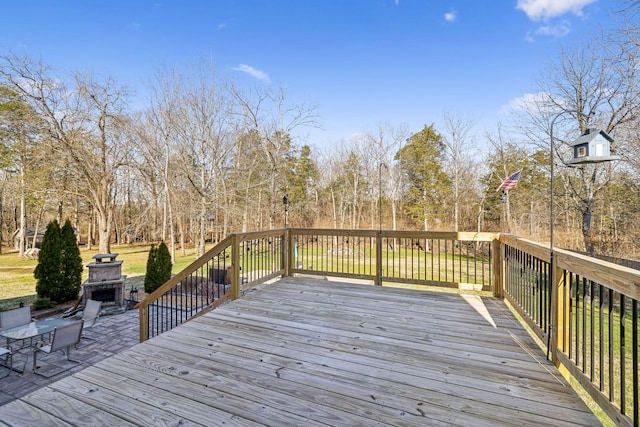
point(621, 279)
point(259, 234)
point(332, 232)
point(444, 235)
point(536, 249)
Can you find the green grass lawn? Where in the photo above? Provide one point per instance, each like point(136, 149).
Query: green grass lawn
point(18, 284)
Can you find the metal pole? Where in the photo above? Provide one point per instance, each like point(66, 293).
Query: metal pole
point(285, 202)
point(380, 197)
point(552, 274)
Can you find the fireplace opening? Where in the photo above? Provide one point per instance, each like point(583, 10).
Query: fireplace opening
point(104, 295)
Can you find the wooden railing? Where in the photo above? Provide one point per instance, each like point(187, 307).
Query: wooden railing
point(233, 266)
point(450, 259)
point(588, 318)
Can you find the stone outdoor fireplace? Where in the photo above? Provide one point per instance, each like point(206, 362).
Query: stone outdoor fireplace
point(105, 282)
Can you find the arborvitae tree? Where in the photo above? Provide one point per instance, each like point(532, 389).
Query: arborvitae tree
point(158, 267)
point(151, 276)
point(59, 270)
point(71, 264)
point(50, 280)
point(163, 258)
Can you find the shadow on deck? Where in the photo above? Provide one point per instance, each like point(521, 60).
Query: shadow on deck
point(313, 352)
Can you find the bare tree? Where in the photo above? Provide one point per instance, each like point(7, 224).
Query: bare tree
point(363, 148)
point(204, 145)
point(382, 145)
point(459, 164)
point(82, 121)
point(156, 147)
point(268, 113)
point(594, 84)
point(503, 166)
point(189, 141)
point(250, 178)
point(20, 129)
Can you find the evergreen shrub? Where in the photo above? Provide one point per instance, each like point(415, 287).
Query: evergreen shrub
point(59, 270)
point(158, 267)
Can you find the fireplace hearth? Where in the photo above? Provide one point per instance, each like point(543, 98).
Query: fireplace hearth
point(105, 282)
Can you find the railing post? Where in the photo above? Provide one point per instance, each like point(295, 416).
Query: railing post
point(560, 308)
point(497, 266)
point(288, 255)
point(379, 258)
point(235, 267)
point(143, 315)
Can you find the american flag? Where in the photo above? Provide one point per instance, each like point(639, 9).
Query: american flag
point(511, 182)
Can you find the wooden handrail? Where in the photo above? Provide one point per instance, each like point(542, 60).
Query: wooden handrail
point(143, 306)
point(593, 308)
point(621, 279)
point(217, 249)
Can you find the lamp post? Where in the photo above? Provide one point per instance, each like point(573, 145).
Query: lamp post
point(552, 281)
point(285, 202)
point(551, 185)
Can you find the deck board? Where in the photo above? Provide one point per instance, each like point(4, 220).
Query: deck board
point(304, 351)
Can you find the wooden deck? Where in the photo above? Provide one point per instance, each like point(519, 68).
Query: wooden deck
point(314, 352)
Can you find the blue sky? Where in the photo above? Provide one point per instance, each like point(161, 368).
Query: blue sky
point(362, 62)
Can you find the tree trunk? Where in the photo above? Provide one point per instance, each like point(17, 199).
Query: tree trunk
point(1, 215)
point(455, 213)
point(90, 229)
point(23, 214)
point(334, 209)
point(35, 229)
point(104, 231)
point(587, 214)
point(373, 215)
point(182, 239)
point(394, 215)
point(507, 212)
point(203, 214)
point(172, 232)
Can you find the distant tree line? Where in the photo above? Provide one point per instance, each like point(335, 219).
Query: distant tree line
point(205, 158)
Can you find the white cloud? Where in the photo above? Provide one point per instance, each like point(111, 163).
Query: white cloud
point(538, 10)
point(529, 102)
point(222, 26)
point(451, 16)
point(559, 30)
point(260, 75)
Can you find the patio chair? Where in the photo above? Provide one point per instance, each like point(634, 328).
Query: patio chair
point(16, 317)
point(63, 337)
point(90, 315)
point(8, 359)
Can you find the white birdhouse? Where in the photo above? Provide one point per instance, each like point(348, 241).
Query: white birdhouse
point(594, 146)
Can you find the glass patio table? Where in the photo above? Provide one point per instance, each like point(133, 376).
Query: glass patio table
point(22, 337)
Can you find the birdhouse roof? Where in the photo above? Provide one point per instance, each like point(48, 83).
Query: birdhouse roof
point(590, 135)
